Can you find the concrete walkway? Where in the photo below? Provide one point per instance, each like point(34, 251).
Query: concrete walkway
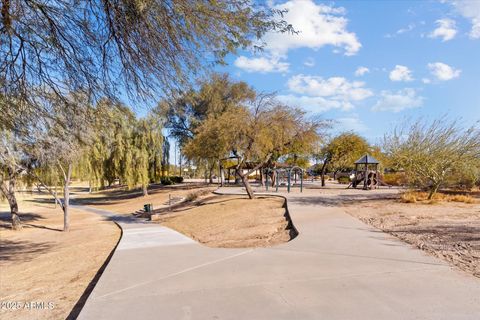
point(337, 268)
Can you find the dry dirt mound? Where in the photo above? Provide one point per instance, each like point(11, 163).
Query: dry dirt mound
point(233, 221)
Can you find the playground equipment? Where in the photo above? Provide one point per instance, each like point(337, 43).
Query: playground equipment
point(283, 176)
point(274, 174)
point(366, 171)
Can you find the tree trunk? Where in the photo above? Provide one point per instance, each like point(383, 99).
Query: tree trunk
point(210, 173)
point(9, 193)
point(145, 190)
point(262, 183)
point(433, 190)
point(56, 194)
point(222, 176)
point(16, 222)
point(246, 184)
point(66, 199)
point(324, 167)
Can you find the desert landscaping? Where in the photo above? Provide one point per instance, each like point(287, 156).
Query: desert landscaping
point(446, 229)
point(41, 264)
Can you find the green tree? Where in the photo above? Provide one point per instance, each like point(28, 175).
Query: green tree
point(123, 147)
point(188, 110)
point(140, 155)
point(57, 144)
point(341, 152)
point(147, 156)
point(434, 153)
point(254, 134)
point(155, 141)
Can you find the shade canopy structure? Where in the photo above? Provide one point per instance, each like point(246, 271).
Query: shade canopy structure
point(367, 159)
point(366, 171)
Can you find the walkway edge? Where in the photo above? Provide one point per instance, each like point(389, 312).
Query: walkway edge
point(293, 231)
point(77, 308)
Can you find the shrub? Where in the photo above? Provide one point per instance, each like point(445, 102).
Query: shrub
point(461, 198)
point(408, 197)
point(166, 181)
point(343, 180)
point(191, 196)
point(176, 179)
point(395, 179)
point(171, 180)
point(416, 196)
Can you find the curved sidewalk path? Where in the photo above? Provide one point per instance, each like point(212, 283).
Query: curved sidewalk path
point(337, 268)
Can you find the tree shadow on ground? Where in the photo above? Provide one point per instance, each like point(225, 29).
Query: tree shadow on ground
point(27, 220)
point(6, 219)
point(342, 200)
point(116, 195)
point(121, 218)
point(213, 199)
point(42, 201)
point(451, 233)
point(16, 250)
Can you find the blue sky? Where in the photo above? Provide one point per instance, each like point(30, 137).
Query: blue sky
point(371, 64)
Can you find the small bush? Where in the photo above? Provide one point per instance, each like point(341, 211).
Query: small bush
point(461, 198)
point(171, 180)
point(408, 197)
point(176, 179)
point(192, 196)
point(343, 180)
point(395, 179)
point(166, 181)
point(416, 196)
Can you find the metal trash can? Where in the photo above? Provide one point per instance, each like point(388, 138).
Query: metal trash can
point(148, 207)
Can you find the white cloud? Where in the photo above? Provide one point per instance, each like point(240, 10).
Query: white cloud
point(446, 29)
point(310, 62)
point(361, 71)
point(318, 25)
point(443, 71)
point(314, 104)
point(397, 101)
point(409, 28)
point(337, 87)
point(471, 11)
point(318, 94)
point(261, 64)
point(351, 123)
point(401, 73)
point(426, 80)
point(400, 31)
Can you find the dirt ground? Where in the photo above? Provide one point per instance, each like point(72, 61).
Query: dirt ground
point(448, 230)
point(233, 221)
point(44, 271)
